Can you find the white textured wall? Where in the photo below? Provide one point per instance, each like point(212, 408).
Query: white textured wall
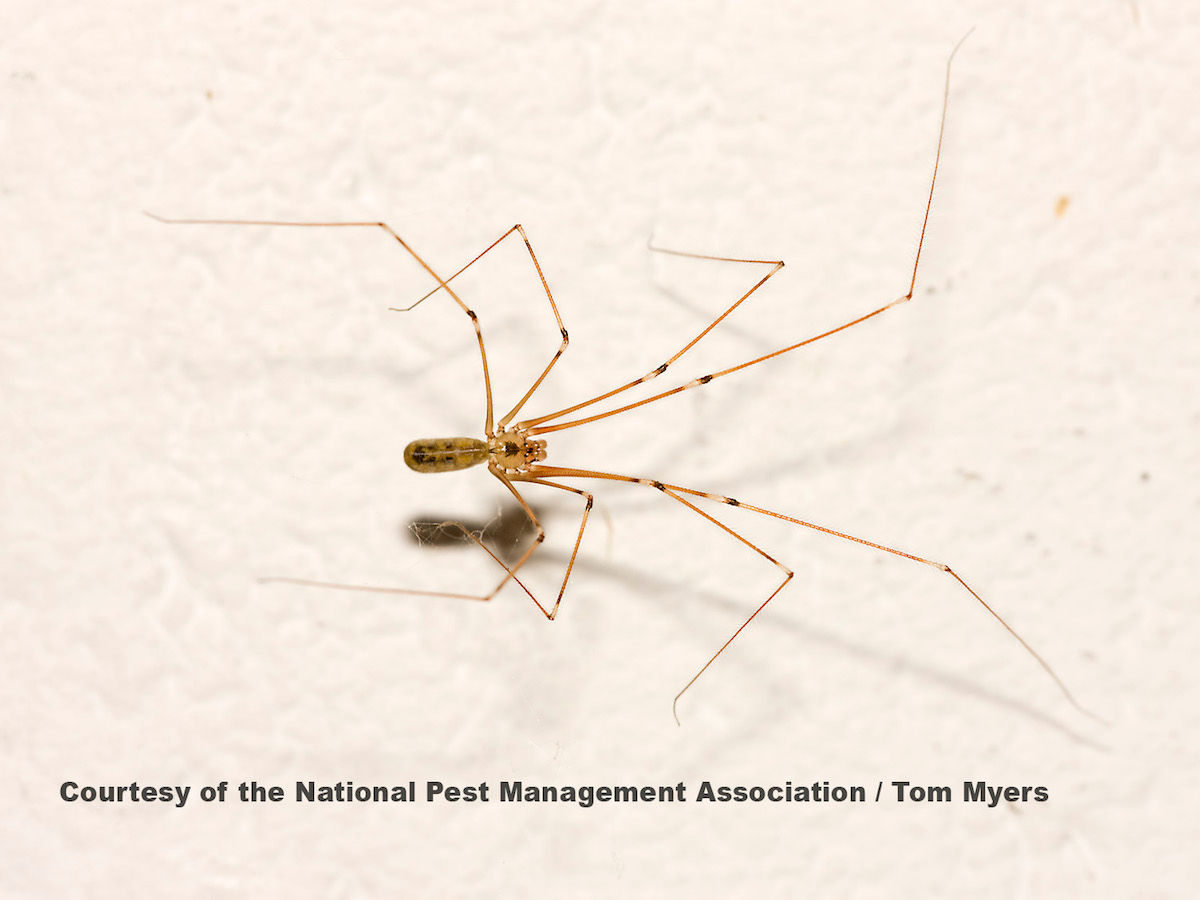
point(188, 408)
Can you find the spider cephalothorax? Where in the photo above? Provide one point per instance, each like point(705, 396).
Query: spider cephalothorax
point(513, 451)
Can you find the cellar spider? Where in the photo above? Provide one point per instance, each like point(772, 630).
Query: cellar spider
point(515, 451)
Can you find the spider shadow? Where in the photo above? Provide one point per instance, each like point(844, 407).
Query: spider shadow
point(507, 534)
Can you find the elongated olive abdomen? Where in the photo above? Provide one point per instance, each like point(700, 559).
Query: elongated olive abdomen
point(445, 454)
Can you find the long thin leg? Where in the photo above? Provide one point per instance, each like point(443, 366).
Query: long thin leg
point(507, 481)
point(540, 428)
point(537, 541)
point(587, 508)
point(369, 589)
point(788, 573)
point(508, 417)
point(776, 265)
point(544, 472)
point(487, 379)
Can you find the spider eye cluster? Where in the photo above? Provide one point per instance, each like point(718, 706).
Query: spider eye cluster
point(514, 452)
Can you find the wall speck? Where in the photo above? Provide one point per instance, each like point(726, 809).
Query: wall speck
point(1060, 208)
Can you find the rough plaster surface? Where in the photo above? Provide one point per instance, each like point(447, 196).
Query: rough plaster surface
point(188, 408)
